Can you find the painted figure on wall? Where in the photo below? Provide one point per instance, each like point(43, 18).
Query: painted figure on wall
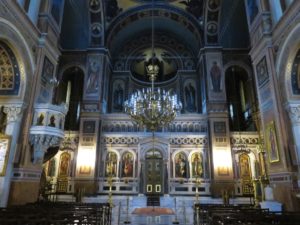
point(215, 75)
point(64, 164)
point(271, 141)
point(51, 168)
point(127, 165)
point(118, 98)
point(92, 84)
point(197, 168)
point(180, 165)
point(111, 164)
point(245, 172)
point(190, 97)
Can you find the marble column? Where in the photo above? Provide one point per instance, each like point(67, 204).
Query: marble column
point(294, 114)
point(14, 116)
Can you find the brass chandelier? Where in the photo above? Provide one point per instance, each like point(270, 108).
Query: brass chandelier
point(153, 107)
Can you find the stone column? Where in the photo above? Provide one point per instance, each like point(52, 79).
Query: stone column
point(294, 114)
point(221, 161)
point(12, 129)
point(33, 11)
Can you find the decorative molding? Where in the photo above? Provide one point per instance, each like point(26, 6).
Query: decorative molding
point(41, 143)
point(189, 141)
point(13, 112)
point(294, 113)
point(70, 142)
point(120, 140)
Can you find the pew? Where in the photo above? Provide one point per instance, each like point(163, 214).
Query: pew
point(48, 213)
point(229, 214)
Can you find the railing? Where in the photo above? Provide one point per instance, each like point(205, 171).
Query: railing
point(47, 129)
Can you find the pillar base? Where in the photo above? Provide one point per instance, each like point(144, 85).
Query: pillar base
point(23, 192)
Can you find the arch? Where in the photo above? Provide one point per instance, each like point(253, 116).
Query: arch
point(10, 72)
point(149, 143)
point(140, 17)
point(240, 98)
point(241, 64)
point(284, 62)
point(12, 36)
point(75, 77)
point(70, 65)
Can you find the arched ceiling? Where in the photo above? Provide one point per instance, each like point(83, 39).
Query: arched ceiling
point(195, 22)
point(161, 25)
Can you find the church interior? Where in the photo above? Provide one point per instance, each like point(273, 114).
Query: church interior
point(150, 112)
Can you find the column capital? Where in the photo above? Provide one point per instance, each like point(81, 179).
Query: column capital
point(13, 112)
point(294, 113)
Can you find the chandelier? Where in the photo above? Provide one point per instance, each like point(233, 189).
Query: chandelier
point(153, 107)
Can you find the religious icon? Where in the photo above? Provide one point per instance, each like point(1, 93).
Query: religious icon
point(245, 166)
point(180, 165)
point(93, 73)
point(111, 164)
point(197, 169)
point(40, 120)
point(118, 98)
point(64, 164)
point(190, 97)
point(215, 75)
point(51, 168)
point(127, 165)
point(52, 121)
point(271, 141)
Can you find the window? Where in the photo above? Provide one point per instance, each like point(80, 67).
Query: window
point(9, 71)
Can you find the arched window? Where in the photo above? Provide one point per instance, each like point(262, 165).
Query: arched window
point(239, 99)
point(9, 71)
point(70, 91)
